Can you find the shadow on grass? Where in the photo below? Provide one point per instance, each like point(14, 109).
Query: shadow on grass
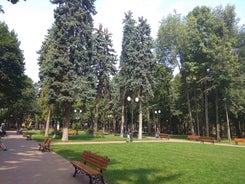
point(116, 172)
point(139, 176)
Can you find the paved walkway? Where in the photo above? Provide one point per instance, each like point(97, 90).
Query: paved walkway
point(23, 163)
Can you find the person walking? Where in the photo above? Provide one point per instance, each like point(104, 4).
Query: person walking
point(2, 145)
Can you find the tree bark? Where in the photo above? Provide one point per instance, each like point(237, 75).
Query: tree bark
point(48, 122)
point(122, 115)
point(228, 123)
point(140, 119)
point(206, 109)
point(190, 112)
point(96, 116)
point(66, 121)
point(148, 122)
point(217, 116)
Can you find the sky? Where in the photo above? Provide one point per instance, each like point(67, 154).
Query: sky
point(31, 20)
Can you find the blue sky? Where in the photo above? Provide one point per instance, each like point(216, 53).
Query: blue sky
point(32, 18)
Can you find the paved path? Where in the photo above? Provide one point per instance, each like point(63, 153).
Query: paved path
point(23, 163)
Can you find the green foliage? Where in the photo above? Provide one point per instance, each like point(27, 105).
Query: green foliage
point(66, 56)
point(203, 46)
point(136, 62)
point(17, 91)
point(11, 66)
point(104, 59)
point(76, 126)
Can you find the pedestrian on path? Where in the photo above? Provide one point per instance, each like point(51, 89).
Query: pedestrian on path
point(2, 145)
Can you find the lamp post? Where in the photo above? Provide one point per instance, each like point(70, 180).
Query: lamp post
point(206, 104)
point(157, 112)
point(77, 117)
point(129, 99)
point(109, 123)
point(77, 114)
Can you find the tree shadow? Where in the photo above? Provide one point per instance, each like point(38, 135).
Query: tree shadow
point(127, 175)
point(139, 176)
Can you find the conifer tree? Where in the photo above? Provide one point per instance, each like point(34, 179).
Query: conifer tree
point(137, 64)
point(69, 70)
point(104, 59)
point(126, 59)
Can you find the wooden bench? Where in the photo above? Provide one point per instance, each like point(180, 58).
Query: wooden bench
point(45, 145)
point(193, 137)
point(92, 165)
point(207, 139)
point(71, 132)
point(239, 140)
point(162, 135)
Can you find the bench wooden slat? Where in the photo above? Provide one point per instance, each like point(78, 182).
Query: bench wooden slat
point(207, 139)
point(236, 140)
point(45, 145)
point(194, 137)
point(91, 164)
point(162, 135)
point(96, 160)
point(86, 168)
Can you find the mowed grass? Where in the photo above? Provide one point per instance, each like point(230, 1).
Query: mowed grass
point(166, 162)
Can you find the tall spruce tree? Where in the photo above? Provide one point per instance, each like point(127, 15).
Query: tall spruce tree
point(144, 67)
point(70, 70)
point(126, 59)
point(104, 59)
point(136, 63)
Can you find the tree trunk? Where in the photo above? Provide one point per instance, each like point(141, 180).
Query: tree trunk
point(206, 109)
point(197, 115)
point(47, 122)
point(55, 129)
point(228, 124)
point(140, 119)
point(114, 125)
point(96, 116)
point(122, 121)
point(189, 106)
point(148, 122)
point(122, 115)
point(66, 121)
point(190, 112)
point(217, 116)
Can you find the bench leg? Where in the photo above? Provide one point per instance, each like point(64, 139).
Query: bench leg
point(90, 180)
point(96, 179)
point(75, 173)
point(102, 179)
point(39, 147)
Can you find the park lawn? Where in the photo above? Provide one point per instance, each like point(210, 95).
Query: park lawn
point(83, 137)
point(166, 162)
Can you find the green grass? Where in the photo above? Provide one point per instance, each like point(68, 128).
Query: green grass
point(81, 137)
point(157, 163)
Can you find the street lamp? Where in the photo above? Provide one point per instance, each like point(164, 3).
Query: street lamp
point(157, 112)
point(132, 110)
point(77, 114)
point(109, 123)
